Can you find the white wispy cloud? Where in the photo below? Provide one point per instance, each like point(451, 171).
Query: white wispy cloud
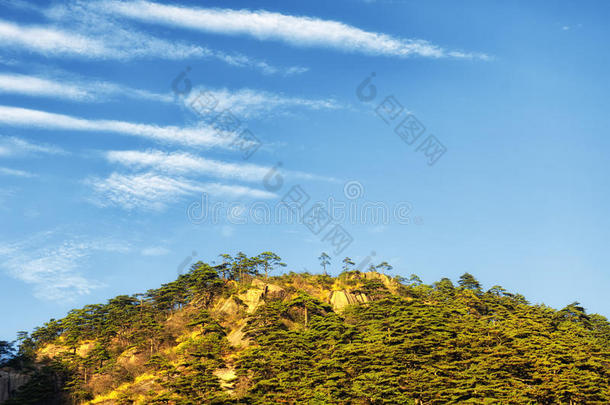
point(13, 146)
point(85, 17)
point(102, 39)
point(243, 102)
point(185, 163)
point(182, 163)
point(155, 251)
point(243, 61)
point(52, 41)
point(19, 5)
point(8, 62)
point(14, 172)
point(264, 25)
point(153, 191)
point(54, 268)
point(48, 40)
point(82, 90)
point(249, 103)
point(81, 31)
point(202, 136)
point(570, 27)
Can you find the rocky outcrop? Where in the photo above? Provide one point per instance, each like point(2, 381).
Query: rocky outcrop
point(267, 288)
point(227, 307)
point(237, 337)
point(50, 350)
point(252, 298)
point(227, 377)
point(84, 349)
point(340, 299)
point(344, 288)
point(10, 382)
point(255, 296)
point(141, 385)
point(385, 279)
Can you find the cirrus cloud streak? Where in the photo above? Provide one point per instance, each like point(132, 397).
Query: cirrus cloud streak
point(203, 136)
point(153, 191)
point(265, 25)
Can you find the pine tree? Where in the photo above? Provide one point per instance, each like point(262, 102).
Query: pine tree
point(383, 267)
point(348, 264)
point(468, 281)
point(324, 261)
point(408, 343)
point(269, 261)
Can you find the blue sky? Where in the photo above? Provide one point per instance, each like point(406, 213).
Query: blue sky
point(104, 167)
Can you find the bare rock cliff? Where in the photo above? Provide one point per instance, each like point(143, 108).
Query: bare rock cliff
point(10, 382)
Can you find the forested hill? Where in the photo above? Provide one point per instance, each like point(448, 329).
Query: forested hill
point(229, 333)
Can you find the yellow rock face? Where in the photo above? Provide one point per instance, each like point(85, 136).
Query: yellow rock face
point(228, 306)
point(84, 349)
point(227, 377)
point(236, 337)
point(255, 296)
point(340, 299)
point(252, 299)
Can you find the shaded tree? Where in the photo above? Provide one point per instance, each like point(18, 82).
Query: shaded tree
point(414, 280)
point(7, 351)
point(468, 282)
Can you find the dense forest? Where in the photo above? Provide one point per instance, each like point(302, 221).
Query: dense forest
point(237, 333)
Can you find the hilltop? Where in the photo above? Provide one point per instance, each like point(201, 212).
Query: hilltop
point(231, 333)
